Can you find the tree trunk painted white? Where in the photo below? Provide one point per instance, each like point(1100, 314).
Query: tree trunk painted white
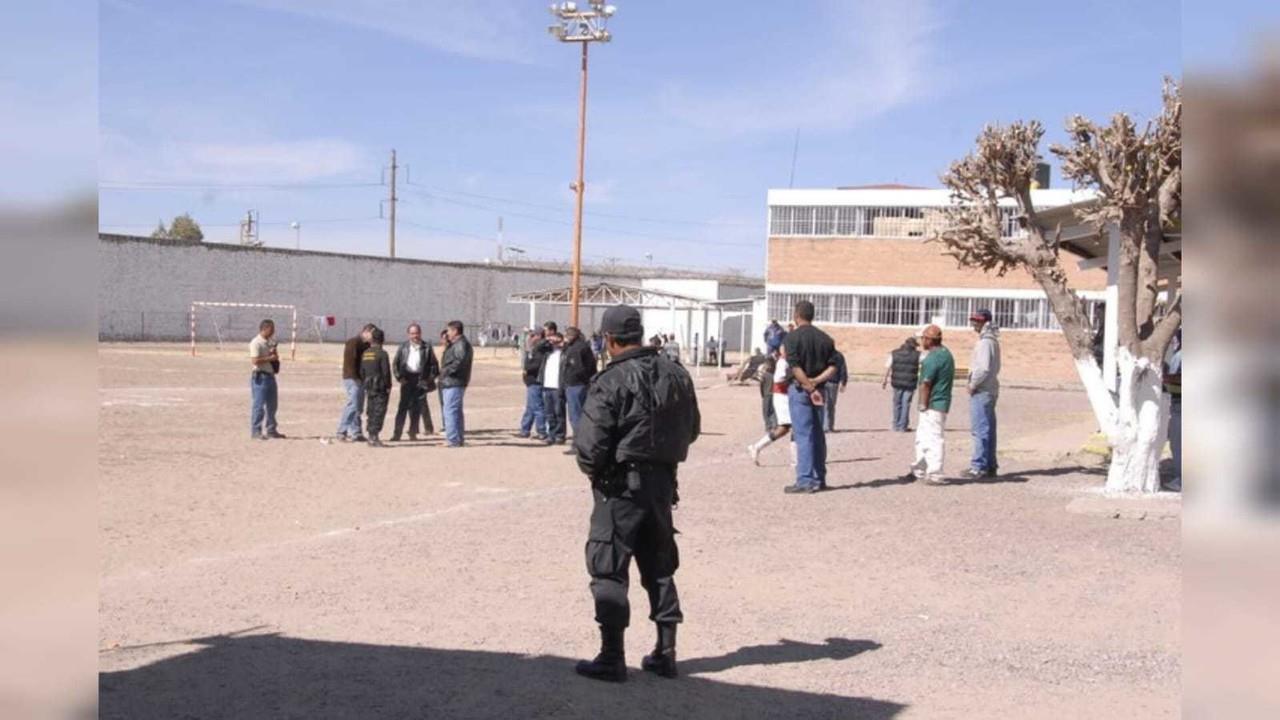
point(1138, 435)
point(1100, 398)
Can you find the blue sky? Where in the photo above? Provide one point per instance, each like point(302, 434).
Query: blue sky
point(291, 107)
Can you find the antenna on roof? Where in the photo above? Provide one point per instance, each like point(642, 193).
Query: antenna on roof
point(795, 150)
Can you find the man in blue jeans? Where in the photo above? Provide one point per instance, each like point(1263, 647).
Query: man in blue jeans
point(262, 383)
point(811, 355)
point(534, 420)
point(984, 391)
point(349, 422)
point(902, 370)
point(455, 375)
point(579, 369)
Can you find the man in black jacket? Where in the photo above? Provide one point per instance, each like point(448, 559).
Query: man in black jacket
point(534, 420)
point(455, 375)
point(416, 371)
point(640, 416)
point(902, 370)
point(579, 366)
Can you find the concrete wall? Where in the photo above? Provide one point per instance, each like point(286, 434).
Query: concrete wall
point(147, 286)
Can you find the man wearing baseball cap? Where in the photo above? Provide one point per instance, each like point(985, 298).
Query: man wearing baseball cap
point(984, 390)
point(639, 418)
point(937, 373)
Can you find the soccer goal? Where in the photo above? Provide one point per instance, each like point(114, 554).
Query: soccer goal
point(224, 324)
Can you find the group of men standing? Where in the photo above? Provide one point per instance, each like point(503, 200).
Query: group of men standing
point(557, 369)
point(368, 375)
point(804, 376)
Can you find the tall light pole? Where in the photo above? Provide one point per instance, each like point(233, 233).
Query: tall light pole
point(297, 234)
point(583, 26)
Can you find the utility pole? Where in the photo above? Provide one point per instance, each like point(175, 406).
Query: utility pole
point(583, 27)
point(393, 203)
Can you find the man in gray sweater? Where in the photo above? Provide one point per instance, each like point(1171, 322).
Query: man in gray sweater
point(984, 390)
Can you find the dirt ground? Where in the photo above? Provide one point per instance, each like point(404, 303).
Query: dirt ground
point(294, 578)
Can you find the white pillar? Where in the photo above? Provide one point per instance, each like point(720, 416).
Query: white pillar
point(533, 315)
point(1111, 333)
point(742, 329)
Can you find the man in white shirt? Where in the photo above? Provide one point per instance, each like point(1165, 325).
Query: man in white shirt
point(553, 401)
point(262, 383)
point(416, 370)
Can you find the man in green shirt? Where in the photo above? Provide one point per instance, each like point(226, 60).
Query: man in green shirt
point(937, 374)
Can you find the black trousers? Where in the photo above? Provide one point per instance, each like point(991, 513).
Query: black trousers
point(635, 524)
point(375, 410)
point(413, 403)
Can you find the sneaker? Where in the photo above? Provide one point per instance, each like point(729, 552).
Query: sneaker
point(256, 436)
point(800, 489)
point(394, 438)
point(276, 435)
point(375, 442)
point(936, 480)
point(973, 473)
point(522, 436)
point(754, 452)
point(359, 438)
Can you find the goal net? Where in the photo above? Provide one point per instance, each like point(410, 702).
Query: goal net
point(237, 321)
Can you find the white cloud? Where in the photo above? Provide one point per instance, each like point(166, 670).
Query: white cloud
point(875, 56)
point(488, 30)
point(123, 158)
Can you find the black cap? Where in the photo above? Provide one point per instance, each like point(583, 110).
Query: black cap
point(622, 322)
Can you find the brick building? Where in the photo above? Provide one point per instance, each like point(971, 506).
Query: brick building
point(859, 254)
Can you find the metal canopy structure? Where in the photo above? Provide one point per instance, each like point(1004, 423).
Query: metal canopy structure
point(1099, 247)
point(609, 294)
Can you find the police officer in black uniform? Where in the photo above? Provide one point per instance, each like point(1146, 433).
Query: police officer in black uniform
point(638, 421)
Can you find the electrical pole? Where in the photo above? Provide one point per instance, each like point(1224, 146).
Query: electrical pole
point(583, 27)
point(393, 203)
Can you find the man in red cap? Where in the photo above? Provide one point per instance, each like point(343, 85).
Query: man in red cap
point(984, 390)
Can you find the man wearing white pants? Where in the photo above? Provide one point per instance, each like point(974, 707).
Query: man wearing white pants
point(937, 374)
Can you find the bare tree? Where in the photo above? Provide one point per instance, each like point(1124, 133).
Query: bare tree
point(1137, 177)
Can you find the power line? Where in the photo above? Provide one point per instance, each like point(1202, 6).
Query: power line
point(553, 221)
point(616, 216)
point(142, 185)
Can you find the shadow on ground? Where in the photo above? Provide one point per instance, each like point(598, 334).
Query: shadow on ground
point(272, 676)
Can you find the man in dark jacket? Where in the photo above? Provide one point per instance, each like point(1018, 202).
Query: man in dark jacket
point(639, 419)
point(455, 375)
point(579, 367)
point(416, 371)
point(534, 420)
point(349, 421)
point(902, 370)
point(375, 375)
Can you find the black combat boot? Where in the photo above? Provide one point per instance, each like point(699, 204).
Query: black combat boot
point(663, 658)
point(611, 664)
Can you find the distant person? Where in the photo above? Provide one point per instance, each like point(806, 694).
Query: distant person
point(780, 426)
point(655, 341)
point(534, 420)
point(713, 351)
point(765, 378)
point(375, 375)
point(597, 347)
point(902, 370)
point(416, 370)
point(831, 392)
point(984, 391)
point(263, 393)
point(579, 369)
point(444, 419)
point(455, 375)
point(1173, 386)
point(552, 380)
point(937, 374)
point(773, 336)
point(672, 348)
point(352, 351)
point(810, 353)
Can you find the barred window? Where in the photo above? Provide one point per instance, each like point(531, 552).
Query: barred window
point(918, 310)
point(868, 221)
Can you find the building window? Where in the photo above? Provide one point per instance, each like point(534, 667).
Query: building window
point(868, 221)
point(915, 311)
